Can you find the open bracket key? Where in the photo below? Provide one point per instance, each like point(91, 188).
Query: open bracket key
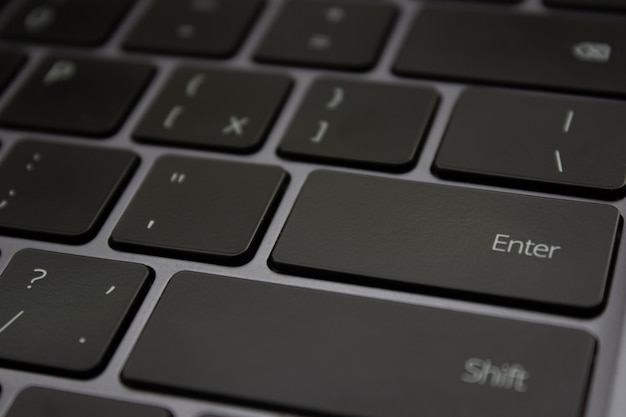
point(224, 110)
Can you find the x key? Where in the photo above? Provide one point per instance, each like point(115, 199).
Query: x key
point(236, 126)
point(212, 109)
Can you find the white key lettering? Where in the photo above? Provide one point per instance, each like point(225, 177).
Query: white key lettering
point(511, 377)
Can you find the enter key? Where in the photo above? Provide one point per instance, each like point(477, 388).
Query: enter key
point(505, 248)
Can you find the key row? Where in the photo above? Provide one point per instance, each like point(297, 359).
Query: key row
point(443, 43)
point(217, 211)
point(215, 27)
point(555, 143)
point(251, 346)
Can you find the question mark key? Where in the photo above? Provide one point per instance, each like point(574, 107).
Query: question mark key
point(63, 313)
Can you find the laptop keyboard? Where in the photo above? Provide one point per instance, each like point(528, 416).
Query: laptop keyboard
point(352, 208)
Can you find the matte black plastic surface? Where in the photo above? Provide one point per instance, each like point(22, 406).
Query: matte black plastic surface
point(80, 96)
point(202, 209)
point(479, 1)
point(617, 5)
point(429, 237)
point(60, 192)
point(225, 110)
point(202, 27)
point(343, 122)
point(41, 402)
point(335, 34)
point(77, 22)
point(10, 62)
point(569, 145)
point(557, 53)
point(64, 313)
point(343, 355)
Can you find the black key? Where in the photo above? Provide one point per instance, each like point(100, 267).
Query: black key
point(214, 110)
point(60, 192)
point(65, 313)
point(207, 210)
point(332, 34)
point(336, 354)
point(10, 62)
point(76, 22)
point(81, 96)
point(455, 241)
point(617, 5)
point(38, 402)
point(213, 28)
point(573, 54)
point(569, 145)
point(342, 122)
point(483, 1)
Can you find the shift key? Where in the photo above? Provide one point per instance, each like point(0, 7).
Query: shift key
point(329, 354)
point(506, 248)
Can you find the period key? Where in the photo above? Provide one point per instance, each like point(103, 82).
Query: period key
point(511, 249)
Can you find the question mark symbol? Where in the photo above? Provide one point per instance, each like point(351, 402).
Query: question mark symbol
point(42, 274)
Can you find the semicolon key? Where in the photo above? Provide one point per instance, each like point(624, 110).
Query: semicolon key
point(38, 189)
